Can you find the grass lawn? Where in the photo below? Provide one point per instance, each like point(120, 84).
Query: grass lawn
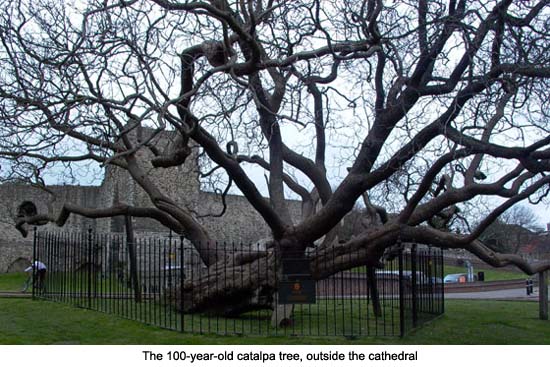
point(12, 281)
point(490, 274)
point(24, 321)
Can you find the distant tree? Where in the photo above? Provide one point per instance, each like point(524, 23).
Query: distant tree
point(446, 101)
point(514, 228)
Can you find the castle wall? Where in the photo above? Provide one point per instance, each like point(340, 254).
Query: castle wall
point(178, 183)
point(240, 222)
point(12, 243)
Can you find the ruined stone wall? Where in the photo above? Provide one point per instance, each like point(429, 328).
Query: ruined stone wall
point(240, 222)
point(12, 243)
point(178, 183)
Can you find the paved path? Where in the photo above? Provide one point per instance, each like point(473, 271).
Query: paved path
point(5, 294)
point(518, 294)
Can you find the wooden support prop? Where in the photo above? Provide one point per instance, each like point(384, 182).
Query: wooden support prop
point(133, 261)
point(282, 314)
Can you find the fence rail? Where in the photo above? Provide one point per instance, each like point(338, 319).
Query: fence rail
point(163, 281)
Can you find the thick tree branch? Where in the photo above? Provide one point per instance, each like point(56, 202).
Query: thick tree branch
point(448, 240)
point(96, 213)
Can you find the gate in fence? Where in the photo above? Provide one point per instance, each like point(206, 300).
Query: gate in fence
point(162, 281)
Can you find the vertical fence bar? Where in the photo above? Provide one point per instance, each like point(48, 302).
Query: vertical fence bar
point(71, 267)
point(34, 258)
point(46, 259)
point(209, 317)
point(170, 279)
point(58, 269)
point(81, 266)
point(50, 280)
point(55, 266)
point(442, 275)
point(142, 277)
point(89, 259)
point(43, 257)
point(125, 281)
point(414, 289)
point(233, 255)
point(114, 266)
point(401, 296)
point(64, 268)
point(242, 280)
point(341, 298)
point(51, 264)
point(182, 276)
point(59, 275)
point(149, 278)
point(95, 271)
point(99, 277)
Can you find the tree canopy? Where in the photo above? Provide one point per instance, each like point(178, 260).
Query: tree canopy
point(414, 107)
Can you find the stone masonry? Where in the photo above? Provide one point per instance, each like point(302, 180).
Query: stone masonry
point(240, 222)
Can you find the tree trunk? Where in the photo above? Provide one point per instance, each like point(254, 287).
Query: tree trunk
point(248, 281)
point(235, 284)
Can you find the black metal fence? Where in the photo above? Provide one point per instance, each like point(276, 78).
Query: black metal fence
point(162, 281)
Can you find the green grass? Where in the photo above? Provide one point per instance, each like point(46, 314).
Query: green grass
point(12, 282)
point(325, 317)
point(466, 322)
point(486, 322)
point(78, 281)
point(490, 274)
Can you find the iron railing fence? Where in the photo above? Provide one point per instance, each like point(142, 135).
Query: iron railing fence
point(162, 281)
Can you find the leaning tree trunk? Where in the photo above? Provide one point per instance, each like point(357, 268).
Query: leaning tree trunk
point(247, 281)
point(233, 285)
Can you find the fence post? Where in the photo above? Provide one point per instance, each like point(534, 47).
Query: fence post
point(34, 243)
point(90, 264)
point(401, 295)
point(182, 274)
point(414, 286)
point(543, 295)
point(442, 276)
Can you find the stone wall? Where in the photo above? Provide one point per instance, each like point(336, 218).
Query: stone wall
point(11, 253)
point(178, 183)
point(12, 244)
point(240, 222)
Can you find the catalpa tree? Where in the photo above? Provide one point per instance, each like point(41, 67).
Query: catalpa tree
point(414, 108)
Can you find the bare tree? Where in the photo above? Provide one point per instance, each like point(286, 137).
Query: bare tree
point(514, 228)
point(448, 100)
